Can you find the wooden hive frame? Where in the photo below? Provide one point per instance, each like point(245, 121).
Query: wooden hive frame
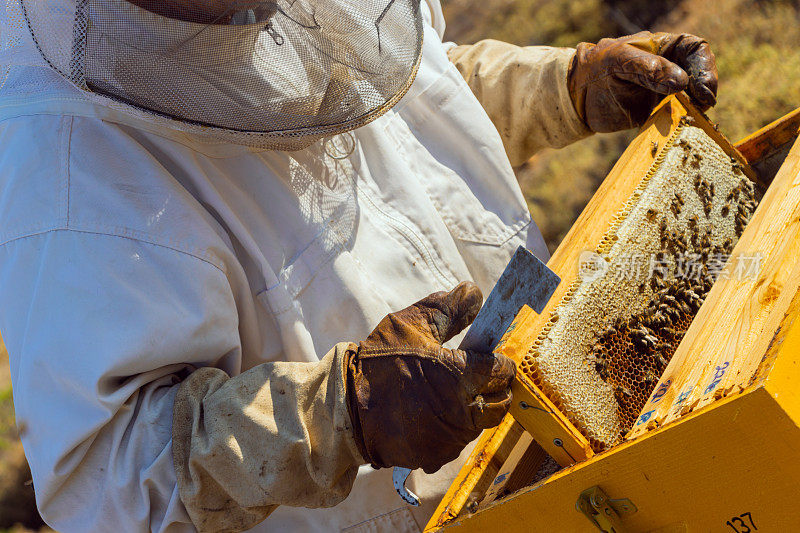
point(511, 451)
point(730, 336)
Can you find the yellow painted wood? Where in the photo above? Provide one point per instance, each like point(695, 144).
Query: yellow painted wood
point(517, 339)
point(531, 408)
point(738, 455)
point(547, 425)
point(524, 471)
point(589, 229)
point(660, 463)
point(782, 377)
point(766, 149)
point(478, 471)
point(584, 234)
point(728, 338)
point(771, 138)
point(498, 486)
point(694, 475)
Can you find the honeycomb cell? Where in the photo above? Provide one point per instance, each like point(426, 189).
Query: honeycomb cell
point(610, 338)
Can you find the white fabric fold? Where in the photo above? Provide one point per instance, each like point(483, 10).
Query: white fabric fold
point(524, 91)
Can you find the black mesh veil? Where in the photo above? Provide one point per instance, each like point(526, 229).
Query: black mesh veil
point(277, 74)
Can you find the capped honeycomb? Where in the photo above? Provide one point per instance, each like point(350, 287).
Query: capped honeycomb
point(609, 339)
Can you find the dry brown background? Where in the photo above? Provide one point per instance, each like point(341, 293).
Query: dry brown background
point(757, 46)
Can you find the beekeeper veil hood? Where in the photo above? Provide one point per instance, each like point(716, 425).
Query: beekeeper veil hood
point(278, 74)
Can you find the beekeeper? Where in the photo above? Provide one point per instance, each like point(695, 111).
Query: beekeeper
point(209, 209)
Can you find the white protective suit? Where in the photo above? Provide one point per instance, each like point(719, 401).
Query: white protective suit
point(130, 255)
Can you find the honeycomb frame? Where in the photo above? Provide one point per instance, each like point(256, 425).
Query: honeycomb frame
point(646, 332)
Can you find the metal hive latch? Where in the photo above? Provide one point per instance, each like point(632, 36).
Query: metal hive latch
point(604, 512)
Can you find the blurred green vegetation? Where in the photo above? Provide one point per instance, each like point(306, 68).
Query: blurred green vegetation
point(8, 433)
point(17, 506)
point(756, 44)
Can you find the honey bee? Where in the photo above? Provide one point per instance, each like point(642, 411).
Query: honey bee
point(619, 390)
point(741, 222)
point(651, 215)
point(656, 320)
point(726, 209)
point(662, 346)
point(706, 206)
point(674, 313)
point(673, 290)
point(653, 148)
point(656, 283)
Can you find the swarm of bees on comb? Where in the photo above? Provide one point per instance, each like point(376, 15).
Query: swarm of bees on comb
point(608, 341)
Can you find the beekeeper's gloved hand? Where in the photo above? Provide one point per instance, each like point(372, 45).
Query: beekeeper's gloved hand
point(416, 404)
point(616, 83)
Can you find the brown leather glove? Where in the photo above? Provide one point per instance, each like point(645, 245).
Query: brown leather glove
point(416, 404)
point(616, 83)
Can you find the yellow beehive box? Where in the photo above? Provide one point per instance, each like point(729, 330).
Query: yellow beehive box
point(727, 463)
point(734, 461)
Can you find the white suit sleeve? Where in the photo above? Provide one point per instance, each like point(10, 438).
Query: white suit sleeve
point(524, 92)
point(277, 434)
point(101, 330)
